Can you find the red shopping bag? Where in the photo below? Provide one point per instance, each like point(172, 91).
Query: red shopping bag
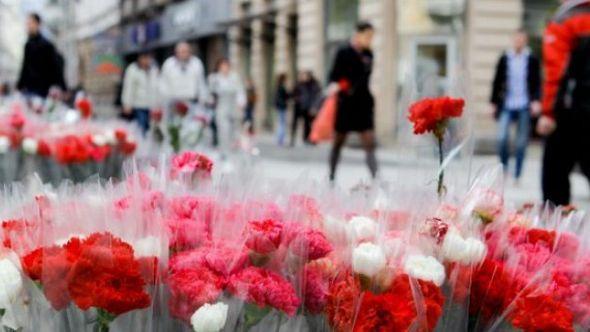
point(323, 126)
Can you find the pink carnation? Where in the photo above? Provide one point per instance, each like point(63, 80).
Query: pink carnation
point(311, 244)
point(264, 237)
point(264, 288)
point(190, 288)
point(315, 290)
point(191, 163)
point(193, 207)
point(220, 259)
point(187, 233)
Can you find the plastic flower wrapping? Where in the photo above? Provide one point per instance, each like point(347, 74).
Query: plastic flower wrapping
point(61, 145)
point(162, 252)
point(173, 247)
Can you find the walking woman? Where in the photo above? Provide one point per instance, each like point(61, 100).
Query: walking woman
point(281, 100)
point(350, 80)
point(230, 99)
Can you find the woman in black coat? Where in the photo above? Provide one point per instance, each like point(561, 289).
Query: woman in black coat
point(350, 79)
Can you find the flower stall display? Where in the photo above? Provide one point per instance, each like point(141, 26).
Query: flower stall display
point(59, 150)
point(173, 248)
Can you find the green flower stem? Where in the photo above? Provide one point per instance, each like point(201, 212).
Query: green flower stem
point(103, 320)
point(441, 176)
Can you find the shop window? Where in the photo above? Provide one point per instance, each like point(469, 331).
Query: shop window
point(432, 62)
point(430, 35)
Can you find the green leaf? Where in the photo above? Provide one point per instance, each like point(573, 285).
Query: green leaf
point(253, 314)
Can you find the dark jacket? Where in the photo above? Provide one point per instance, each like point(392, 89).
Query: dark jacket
point(281, 97)
point(500, 87)
point(42, 67)
point(352, 70)
point(566, 50)
point(305, 95)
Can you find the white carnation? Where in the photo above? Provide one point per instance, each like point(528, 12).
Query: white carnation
point(361, 229)
point(210, 317)
point(4, 144)
point(111, 137)
point(11, 283)
point(11, 286)
point(465, 251)
point(425, 268)
point(368, 259)
point(150, 246)
point(99, 140)
point(30, 145)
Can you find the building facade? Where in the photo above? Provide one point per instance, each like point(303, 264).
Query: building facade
point(440, 41)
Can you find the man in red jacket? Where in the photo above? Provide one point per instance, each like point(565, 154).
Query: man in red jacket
point(566, 99)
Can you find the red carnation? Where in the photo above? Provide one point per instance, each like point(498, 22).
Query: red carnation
point(181, 108)
point(489, 287)
point(121, 135)
point(190, 288)
point(72, 149)
point(542, 313)
point(107, 276)
point(128, 147)
point(43, 149)
point(431, 114)
point(264, 237)
point(84, 106)
point(343, 296)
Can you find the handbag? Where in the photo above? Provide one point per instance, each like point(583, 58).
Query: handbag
point(323, 126)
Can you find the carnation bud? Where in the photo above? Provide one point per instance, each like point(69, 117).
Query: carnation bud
point(361, 229)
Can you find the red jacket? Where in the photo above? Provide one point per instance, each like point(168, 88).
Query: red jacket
point(571, 23)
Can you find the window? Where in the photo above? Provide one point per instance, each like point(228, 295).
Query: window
point(341, 17)
point(536, 15)
point(429, 40)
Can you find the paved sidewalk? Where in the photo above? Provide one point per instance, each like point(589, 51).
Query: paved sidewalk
point(405, 167)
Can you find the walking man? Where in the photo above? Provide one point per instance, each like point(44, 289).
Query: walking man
point(515, 97)
point(42, 65)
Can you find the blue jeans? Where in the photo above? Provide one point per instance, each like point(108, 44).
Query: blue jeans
point(523, 119)
point(142, 116)
point(282, 129)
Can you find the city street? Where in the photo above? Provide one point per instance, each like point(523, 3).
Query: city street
point(403, 168)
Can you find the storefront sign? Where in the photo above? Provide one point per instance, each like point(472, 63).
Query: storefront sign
point(193, 18)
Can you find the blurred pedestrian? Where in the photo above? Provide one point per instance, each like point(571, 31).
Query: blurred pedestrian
point(229, 99)
point(516, 94)
point(140, 90)
point(42, 65)
point(350, 77)
point(183, 87)
point(281, 103)
point(183, 77)
point(251, 99)
point(566, 101)
point(305, 94)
